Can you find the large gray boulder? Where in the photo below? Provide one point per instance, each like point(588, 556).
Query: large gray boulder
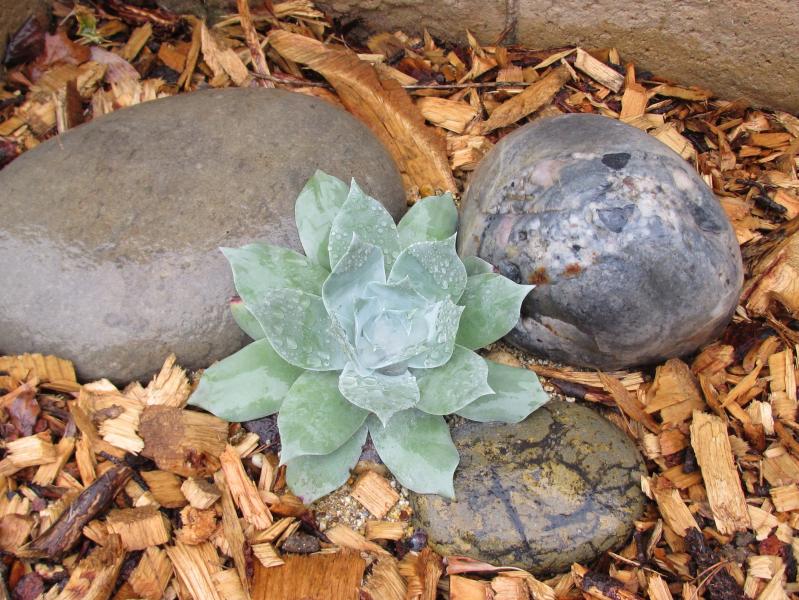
point(633, 257)
point(560, 487)
point(110, 233)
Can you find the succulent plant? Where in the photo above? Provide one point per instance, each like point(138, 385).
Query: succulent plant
point(373, 332)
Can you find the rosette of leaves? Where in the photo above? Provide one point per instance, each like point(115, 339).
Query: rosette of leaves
point(372, 332)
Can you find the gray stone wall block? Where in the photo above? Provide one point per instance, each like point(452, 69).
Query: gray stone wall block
point(447, 19)
point(731, 47)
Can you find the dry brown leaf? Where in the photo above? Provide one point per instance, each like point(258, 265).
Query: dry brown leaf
point(598, 71)
point(194, 52)
point(627, 402)
point(222, 61)
point(58, 373)
point(384, 580)
point(673, 91)
point(170, 387)
point(529, 101)
point(420, 152)
point(254, 44)
point(343, 536)
point(118, 68)
point(422, 572)
point(633, 102)
point(449, 114)
point(775, 274)
point(674, 392)
point(714, 455)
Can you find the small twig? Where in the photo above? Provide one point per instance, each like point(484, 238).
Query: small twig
point(711, 571)
point(66, 531)
point(461, 86)
point(432, 86)
point(303, 83)
point(251, 37)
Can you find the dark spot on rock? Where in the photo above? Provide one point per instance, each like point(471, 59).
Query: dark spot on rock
point(510, 270)
point(616, 160)
point(704, 220)
point(572, 270)
point(538, 277)
point(616, 218)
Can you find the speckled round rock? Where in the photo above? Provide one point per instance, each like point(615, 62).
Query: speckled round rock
point(559, 487)
point(633, 258)
point(110, 233)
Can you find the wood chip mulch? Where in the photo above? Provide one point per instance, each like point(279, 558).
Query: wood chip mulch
point(123, 494)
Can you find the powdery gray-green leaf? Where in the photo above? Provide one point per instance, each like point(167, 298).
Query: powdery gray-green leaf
point(378, 393)
point(250, 384)
point(316, 207)
point(453, 385)
point(315, 418)
point(246, 321)
point(312, 476)
point(369, 220)
point(445, 328)
point(432, 268)
point(493, 305)
point(393, 323)
point(417, 448)
point(258, 268)
point(361, 265)
point(517, 393)
point(475, 266)
point(299, 329)
point(431, 219)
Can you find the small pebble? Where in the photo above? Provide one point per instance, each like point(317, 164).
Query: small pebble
point(301, 543)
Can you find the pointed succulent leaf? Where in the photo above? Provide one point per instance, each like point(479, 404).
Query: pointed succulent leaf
point(369, 220)
point(392, 324)
point(259, 267)
point(361, 265)
point(432, 268)
point(417, 448)
point(453, 385)
point(249, 384)
point(245, 319)
point(312, 476)
point(492, 309)
point(316, 207)
point(299, 329)
point(446, 317)
point(315, 418)
point(431, 219)
point(517, 393)
point(475, 265)
point(376, 392)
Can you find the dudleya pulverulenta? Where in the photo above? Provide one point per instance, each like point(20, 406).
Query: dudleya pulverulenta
point(373, 332)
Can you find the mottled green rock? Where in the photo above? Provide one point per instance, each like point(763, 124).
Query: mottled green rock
point(560, 487)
